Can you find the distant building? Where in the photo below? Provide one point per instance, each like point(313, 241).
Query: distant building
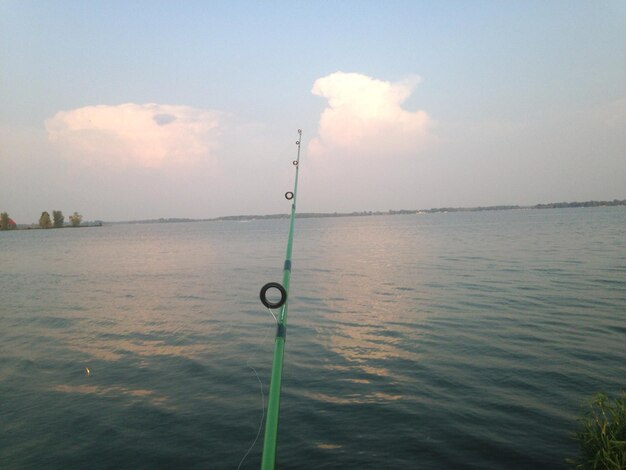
point(12, 224)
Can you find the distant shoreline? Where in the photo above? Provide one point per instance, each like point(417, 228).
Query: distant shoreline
point(34, 226)
point(309, 215)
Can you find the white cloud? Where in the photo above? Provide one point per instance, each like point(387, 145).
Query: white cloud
point(364, 117)
point(148, 135)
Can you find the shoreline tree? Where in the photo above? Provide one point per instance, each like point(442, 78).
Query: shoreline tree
point(76, 219)
point(44, 220)
point(58, 219)
point(4, 221)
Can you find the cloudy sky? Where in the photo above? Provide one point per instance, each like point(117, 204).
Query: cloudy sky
point(127, 110)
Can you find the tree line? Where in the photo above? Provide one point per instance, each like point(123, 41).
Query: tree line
point(58, 219)
point(45, 221)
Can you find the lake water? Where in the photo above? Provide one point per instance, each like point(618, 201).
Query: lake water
point(460, 340)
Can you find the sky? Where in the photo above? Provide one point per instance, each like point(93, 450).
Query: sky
point(126, 110)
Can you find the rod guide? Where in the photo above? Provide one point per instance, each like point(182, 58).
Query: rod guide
point(268, 303)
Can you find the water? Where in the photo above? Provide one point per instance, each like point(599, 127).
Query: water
point(461, 340)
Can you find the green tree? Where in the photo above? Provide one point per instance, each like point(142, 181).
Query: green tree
point(58, 218)
point(4, 221)
point(76, 219)
point(44, 220)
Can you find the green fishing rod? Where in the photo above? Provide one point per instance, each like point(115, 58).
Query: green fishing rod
point(273, 404)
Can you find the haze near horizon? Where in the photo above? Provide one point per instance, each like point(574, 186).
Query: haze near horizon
point(141, 110)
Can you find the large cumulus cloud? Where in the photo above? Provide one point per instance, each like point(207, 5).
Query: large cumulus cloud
point(364, 117)
point(148, 135)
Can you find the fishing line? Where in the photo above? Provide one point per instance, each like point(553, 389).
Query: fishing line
point(270, 310)
point(258, 434)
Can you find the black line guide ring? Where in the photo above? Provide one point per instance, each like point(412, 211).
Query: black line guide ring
point(273, 285)
point(295, 162)
point(289, 195)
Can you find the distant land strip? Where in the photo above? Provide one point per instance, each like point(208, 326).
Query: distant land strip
point(308, 215)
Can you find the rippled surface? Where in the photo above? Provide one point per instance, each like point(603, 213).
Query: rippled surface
point(462, 340)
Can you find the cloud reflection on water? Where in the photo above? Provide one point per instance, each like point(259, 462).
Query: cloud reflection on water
point(362, 292)
point(140, 395)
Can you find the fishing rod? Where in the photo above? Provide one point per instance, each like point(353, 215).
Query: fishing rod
point(273, 404)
